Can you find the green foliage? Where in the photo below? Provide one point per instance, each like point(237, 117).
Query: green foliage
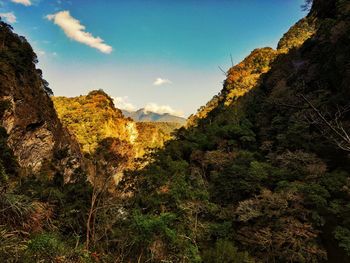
point(49, 247)
point(240, 79)
point(147, 226)
point(16, 51)
point(91, 119)
point(17, 209)
point(45, 247)
point(71, 201)
point(225, 252)
point(342, 235)
point(298, 34)
point(316, 195)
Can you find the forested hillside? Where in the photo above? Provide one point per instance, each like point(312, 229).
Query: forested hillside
point(94, 118)
point(246, 75)
point(263, 177)
point(260, 174)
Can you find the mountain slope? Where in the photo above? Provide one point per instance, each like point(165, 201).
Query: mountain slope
point(263, 176)
point(43, 190)
point(35, 133)
point(246, 75)
point(94, 118)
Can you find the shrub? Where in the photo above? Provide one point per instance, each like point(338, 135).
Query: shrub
point(225, 252)
point(45, 246)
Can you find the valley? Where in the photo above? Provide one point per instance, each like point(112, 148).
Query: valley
point(259, 174)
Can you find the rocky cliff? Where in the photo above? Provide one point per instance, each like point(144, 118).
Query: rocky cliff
point(35, 134)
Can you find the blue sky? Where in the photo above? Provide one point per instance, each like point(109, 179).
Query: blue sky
point(160, 53)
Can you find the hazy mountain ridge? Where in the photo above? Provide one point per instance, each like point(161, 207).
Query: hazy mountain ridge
point(142, 115)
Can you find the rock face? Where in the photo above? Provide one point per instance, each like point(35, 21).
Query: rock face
point(36, 135)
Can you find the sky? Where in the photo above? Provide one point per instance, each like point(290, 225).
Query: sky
point(159, 54)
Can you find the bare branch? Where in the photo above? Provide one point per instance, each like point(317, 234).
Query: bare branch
point(223, 71)
point(338, 133)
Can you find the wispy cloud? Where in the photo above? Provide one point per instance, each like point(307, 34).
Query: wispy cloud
point(22, 2)
point(76, 31)
point(160, 82)
point(122, 103)
point(9, 17)
point(161, 109)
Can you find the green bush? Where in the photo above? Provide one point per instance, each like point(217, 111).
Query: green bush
point(50, 247)
point(225, 252)
point(343, 236)
point(46, 246)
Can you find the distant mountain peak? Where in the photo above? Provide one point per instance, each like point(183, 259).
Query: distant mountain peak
point(144, 115)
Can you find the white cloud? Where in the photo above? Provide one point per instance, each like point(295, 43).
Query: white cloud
point(22, 2)
point(160, 82)
point(9, 17)
point(76, 31)
point(161, 109)
point(123, 104)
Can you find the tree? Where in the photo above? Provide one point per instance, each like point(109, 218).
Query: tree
point(333, 127)
point(111, 157)
point(46, 87)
